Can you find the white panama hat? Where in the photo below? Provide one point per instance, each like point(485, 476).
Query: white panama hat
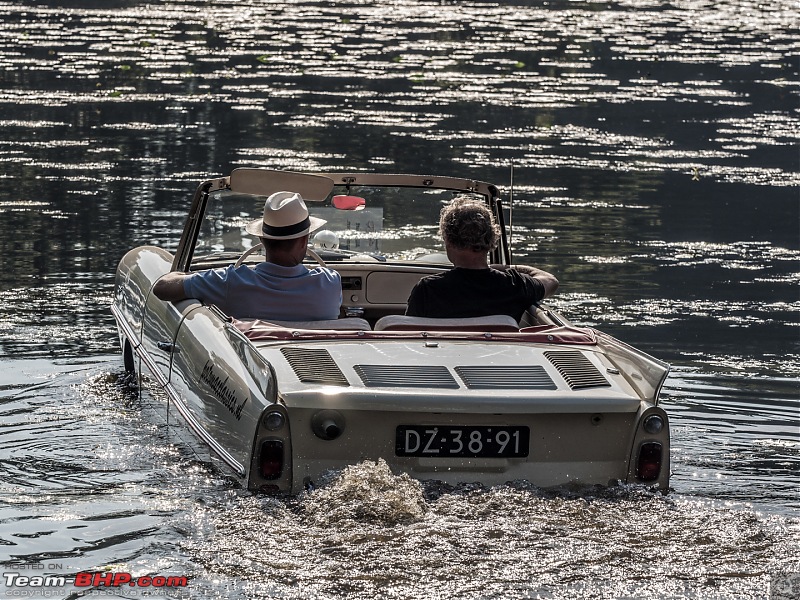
point(285, 218)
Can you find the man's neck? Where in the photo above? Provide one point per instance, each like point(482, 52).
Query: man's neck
point(282, 262)
point(287, 254)
point(467, 259)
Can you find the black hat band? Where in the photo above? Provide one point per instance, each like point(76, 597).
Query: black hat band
point(287, 230)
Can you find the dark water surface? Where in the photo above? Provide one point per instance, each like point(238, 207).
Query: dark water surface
point(656, 171)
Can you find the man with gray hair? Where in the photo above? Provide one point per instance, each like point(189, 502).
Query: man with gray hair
point(473, 288)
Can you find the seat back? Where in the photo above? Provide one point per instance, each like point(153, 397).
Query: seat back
point(349, 323)
point(492, 323)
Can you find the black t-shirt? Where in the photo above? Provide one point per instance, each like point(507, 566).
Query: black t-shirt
point(461, 293)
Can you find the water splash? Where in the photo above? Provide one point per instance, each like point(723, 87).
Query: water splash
point(367, 492)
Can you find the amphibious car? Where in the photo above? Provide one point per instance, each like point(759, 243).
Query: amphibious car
point(283, 404)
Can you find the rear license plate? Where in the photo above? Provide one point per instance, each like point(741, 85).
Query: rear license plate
point(462, 441)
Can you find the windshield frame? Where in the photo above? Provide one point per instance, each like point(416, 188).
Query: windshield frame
point(265, 181)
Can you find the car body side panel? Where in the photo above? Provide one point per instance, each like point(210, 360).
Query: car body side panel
point(643, 372)
point(161, 323)
point(223, 382)
point(137, 272)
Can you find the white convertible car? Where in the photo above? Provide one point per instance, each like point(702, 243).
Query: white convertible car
point(487, 400)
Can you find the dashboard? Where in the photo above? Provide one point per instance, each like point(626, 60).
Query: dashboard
point(378, 289)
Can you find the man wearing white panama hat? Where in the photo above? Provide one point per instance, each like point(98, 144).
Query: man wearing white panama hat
point(281, 287)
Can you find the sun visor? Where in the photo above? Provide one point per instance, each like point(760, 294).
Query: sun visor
point(265, 182)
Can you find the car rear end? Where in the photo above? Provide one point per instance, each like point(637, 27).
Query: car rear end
point(457, 411)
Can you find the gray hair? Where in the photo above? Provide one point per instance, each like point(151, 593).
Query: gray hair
point(468, 224)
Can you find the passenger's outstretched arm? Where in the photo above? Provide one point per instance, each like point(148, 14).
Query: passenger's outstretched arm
point(548, 280)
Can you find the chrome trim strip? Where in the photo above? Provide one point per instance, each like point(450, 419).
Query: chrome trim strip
point(183, 409)
point(660, 386)
point(120, 321)
point(195, 426)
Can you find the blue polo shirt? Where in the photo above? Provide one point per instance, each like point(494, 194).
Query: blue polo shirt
point(269, 291)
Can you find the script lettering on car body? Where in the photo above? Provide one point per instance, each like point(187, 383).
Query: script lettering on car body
point(227, 396)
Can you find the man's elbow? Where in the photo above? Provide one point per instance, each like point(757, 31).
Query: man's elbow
point(161, 289)
point(169, 288)
point(550, 286)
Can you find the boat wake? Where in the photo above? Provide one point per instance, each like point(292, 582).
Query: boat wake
point(367, 530)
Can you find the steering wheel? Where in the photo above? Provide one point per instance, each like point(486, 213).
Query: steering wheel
point(316, 257)
point(254, 248)
point(245, 254)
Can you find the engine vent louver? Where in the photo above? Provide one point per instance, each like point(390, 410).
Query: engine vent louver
point(406, 376)
point(314, 365)
point(509, 378)
point(577, 370)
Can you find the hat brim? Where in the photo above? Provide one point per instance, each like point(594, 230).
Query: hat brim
point(257, 228)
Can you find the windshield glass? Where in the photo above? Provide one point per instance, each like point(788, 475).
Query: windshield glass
point(386, 223)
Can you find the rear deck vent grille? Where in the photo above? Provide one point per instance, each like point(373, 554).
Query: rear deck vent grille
point(577, 370)
point(506, 378)
point(406, 376)
point(314, 365)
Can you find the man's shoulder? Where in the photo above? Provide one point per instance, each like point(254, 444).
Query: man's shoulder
point(527, 283)
point(513, 274)
point(332, 272)
point(436, 278)
point(215, 274)
point(325, 273)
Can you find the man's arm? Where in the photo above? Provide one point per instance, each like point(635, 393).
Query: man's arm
point(170, 287)
point(548, 280)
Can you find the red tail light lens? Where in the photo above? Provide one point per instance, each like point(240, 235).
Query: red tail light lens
point(648, 467)
point(271, 459)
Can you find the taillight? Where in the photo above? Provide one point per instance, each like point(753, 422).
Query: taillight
point(270, 460)
point(648, 467)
